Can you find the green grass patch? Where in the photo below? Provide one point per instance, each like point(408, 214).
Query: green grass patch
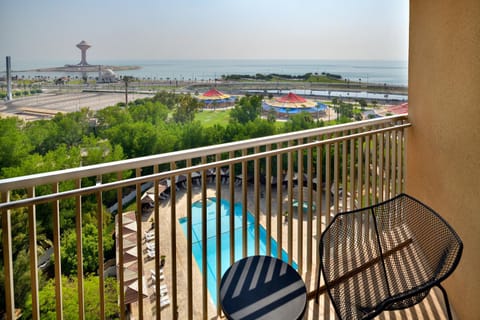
point(131, 207)
point(324, 79)
point(211, 118)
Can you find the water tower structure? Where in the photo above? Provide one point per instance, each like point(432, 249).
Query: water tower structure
point(83, 46)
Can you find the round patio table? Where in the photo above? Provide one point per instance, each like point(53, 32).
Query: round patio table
point(262, 287)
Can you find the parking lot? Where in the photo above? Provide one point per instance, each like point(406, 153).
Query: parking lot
point(49, 103)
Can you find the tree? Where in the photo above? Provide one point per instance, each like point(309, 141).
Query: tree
point(40, 132)
point(235, 132)
point(271, 115)
point(345, 110)
point(99, 151)
point(20, 255)
point(247, 109)
point(260, 128)
point(15, 144)
point(168, 99)
point(112, 116)
point(90, 249)
point(185, 111)
point(70, 299)
point(363, 104)
point(148, 111)
point(136, 138)
point(71, 127)
point(300, 121)
point(192, 136)
point(58, 159)
point(127, 80)
point(215, 134)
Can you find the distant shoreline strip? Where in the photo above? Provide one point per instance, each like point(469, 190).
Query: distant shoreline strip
point(90, 68)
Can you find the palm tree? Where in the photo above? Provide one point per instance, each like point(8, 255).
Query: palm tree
point(127, 80)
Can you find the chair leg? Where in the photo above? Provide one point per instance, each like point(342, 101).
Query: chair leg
point(318, 284)
point(447, 304)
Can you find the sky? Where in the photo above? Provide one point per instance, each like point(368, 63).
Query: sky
point(205, 29)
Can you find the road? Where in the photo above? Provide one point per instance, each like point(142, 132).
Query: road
point(53, 102)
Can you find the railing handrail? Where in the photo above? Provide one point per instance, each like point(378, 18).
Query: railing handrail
point(363, 160)
point(176, 172)
point(122, 165)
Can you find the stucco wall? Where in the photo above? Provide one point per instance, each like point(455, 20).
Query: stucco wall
point(443, 151)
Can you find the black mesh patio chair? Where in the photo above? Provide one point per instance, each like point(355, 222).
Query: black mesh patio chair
point(386, 257)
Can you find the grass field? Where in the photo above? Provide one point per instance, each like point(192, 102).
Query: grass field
point(210, 118)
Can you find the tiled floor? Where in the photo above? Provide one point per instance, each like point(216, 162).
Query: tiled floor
point(431, 308)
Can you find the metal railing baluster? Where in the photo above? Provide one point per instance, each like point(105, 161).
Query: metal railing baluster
point(32, 233)
point(365, 160)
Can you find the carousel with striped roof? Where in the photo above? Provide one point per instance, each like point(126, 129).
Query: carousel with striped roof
point(292, 103)
point(213, 99)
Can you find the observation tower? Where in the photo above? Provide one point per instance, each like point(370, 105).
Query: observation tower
point(83, 46)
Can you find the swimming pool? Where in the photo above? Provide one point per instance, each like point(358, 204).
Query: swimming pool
point(225, 238)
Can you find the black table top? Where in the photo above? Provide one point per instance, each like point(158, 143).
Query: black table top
point(262, 287)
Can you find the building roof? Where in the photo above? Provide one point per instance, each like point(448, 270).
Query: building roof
point(83, 43)
point(213, 94)
point(291, 98)
point(399, 108)
point(292, 101)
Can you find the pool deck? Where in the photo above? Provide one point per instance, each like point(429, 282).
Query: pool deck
point(433, 305)
point(181, 244)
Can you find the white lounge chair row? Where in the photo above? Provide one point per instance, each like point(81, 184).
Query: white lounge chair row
point(164, 299)
point(151, 253)
point(154, 277)
point(152, 272)
point(163, 290)
point(149, 235)
point(151, 246)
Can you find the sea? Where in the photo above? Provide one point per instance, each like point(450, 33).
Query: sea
point(389, 72)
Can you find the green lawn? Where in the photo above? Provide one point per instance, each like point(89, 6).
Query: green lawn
point(210, 118)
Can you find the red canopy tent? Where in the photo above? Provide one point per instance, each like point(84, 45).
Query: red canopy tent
point(214, 98)
point(213, 94)
point(291, 100)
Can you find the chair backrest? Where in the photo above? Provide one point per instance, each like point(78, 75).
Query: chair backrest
point(386, 256)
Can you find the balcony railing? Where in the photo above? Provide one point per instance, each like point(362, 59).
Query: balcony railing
point(292, 184)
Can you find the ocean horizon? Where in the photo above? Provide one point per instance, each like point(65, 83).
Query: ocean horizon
point(390, 72)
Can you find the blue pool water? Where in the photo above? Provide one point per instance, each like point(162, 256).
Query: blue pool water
point(225, 240)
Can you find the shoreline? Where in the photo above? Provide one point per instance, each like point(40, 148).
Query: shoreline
point(77, 68)
point(393, 73)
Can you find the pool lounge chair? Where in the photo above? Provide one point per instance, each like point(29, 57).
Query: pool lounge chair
point(151, 246)
point(154, 277)
point(164, 301)
point(238, 180)
point(150, 254)
point(152, 272)
point(149, 235)
point(163, 289)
